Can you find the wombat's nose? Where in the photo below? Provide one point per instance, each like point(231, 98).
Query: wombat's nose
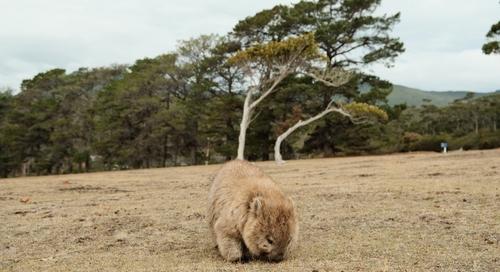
point(278, 257)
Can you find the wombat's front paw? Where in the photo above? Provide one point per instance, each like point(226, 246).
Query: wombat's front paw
point(230, 249)
point(234, 255)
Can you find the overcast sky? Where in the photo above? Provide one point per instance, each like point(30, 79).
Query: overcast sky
point(443, 38)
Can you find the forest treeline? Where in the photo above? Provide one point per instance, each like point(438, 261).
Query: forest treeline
point(184, 107)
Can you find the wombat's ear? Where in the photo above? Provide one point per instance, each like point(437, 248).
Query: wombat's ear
point(256, 205)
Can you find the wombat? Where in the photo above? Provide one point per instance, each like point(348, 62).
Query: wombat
point(249, 216)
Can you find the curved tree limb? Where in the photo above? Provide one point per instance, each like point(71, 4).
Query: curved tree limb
point(330, 108)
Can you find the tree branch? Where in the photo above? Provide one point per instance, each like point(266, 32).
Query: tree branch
point(277, 146)
point(281, 76)
point(341, 78)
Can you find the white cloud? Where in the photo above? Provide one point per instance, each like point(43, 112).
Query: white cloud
point(443, 41)
point(39, 35)
point(442, 37)
point(468, 70)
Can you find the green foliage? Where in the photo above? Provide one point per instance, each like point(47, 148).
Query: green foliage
point(483, 140)
point(342, 28)
point(49, 121)
point(429, 143)
point(6, 153)
point(184, 107)
point(493, 46)
point(488, 140)
point(258, 29)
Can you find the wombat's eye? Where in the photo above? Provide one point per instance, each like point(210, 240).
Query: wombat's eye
point(269, 240)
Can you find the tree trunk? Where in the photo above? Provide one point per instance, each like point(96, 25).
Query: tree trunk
point(87, 164)
point(277, 153)
point(70, 166)
point(265, 152)
point(165, 152)
point(249, 106)
point(245, 121)
point(24, 169)
point(241, 138)
point(176, 152)
point(194, 149)
point(207, 152)
point(229, 136)
point(327, 146)
point(328, 150)
point(476, 125)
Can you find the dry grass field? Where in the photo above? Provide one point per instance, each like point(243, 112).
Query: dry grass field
point(405, 212)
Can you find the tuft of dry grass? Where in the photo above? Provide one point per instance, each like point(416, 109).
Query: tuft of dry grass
point(405, 212)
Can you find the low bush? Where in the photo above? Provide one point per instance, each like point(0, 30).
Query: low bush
point(429, 143)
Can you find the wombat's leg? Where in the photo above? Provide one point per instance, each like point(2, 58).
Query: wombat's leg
point(230, 248)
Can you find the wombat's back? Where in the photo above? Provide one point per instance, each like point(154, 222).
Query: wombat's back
point(238, 169)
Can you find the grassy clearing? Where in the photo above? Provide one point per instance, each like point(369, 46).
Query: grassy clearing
point(413, 212)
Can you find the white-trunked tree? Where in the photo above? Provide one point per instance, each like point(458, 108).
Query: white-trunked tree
point(266, 65)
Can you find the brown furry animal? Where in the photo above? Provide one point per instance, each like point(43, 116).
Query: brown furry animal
point(249, 215)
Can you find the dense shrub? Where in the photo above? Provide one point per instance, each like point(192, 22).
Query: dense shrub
point(483, 140)
point(467, 142)
point(410, 139)
point(429, 143)
point(489, 140)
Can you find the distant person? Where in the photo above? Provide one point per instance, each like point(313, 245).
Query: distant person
point(444, 147)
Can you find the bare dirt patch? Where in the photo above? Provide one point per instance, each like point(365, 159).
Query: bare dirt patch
point(408, 212)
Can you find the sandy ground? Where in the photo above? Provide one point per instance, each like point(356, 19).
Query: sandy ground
point(407, 212)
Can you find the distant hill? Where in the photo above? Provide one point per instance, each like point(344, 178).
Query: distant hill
point(415, 97)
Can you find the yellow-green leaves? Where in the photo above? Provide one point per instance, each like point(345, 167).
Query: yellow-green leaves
point(292, 49)
point(366, 111)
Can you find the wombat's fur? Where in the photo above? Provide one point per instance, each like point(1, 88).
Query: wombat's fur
point(249, 216)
